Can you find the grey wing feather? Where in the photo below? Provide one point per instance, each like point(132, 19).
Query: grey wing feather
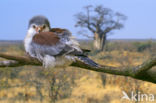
point(88, 61)
point(54, 50)
point(48, 50)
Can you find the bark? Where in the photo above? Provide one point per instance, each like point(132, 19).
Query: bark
point(103, 42)
point(140, 72)
point(97, 43)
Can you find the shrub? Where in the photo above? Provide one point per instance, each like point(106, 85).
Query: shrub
point(141, 46)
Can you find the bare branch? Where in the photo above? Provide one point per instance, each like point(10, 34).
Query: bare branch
point(8, 63)
point(88, 18)
point(86, 35)
point(82, 32)
point(23, 60)
point(145, 66)
point(115, 26)
point(140, 72)
point(85, 20)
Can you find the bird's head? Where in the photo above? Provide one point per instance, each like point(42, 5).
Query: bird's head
point(38, 24)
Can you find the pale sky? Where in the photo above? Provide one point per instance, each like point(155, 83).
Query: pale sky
point(15, 15)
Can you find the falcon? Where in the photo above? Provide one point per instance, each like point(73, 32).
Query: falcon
point(52, 46)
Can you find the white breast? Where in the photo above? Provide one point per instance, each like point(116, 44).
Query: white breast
point(28, 40)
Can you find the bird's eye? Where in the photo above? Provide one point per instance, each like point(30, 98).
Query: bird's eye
point(44, 26)
point(34, 26)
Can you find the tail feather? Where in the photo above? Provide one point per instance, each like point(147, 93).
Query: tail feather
point(88, 61)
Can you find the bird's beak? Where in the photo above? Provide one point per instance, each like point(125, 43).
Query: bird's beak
point(39, 29)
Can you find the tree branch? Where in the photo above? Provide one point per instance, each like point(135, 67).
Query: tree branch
point(9, 63)
point(141, 72)
point(88, 19)
point(86, 35)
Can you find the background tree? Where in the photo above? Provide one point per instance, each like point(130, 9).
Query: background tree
point(100, 21)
